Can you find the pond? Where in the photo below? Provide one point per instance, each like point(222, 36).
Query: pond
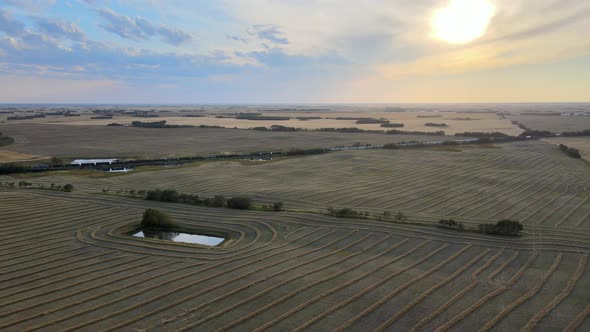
point(206, 240)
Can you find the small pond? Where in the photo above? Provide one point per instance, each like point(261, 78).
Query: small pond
point(206, 240)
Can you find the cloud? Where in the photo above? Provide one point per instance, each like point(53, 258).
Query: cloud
point(270, 33)
point(139, 28)
point(60, 29)
point(174, 36)
point(9, 25)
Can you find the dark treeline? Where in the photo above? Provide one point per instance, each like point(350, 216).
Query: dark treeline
point(219, 201)
point(25, 117)
point(371, 121)
point(257, 116)
point(392, 125)
point(574, 153)
point(432, 124)
point(305, 118)
point(494, 134)
point(156, 124)
point(504, 227)
point(401, 132)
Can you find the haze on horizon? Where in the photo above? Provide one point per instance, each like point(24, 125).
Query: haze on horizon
point(323, 51)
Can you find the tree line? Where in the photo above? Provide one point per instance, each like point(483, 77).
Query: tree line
point(218, 201)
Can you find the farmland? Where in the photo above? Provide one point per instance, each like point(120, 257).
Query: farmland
point(69, 263)
point(300, 269)
point(107, 142)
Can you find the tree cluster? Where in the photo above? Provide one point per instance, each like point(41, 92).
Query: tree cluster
point(504, 227)
point(172, 196)
point(571, 152)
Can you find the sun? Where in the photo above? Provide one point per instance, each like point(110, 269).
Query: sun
point(462, 21)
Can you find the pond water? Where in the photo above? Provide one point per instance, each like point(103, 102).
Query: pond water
point(179, 237)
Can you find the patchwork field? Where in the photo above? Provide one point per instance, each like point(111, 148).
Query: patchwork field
point(413, 121)
point(99, 141)
point(66, 263)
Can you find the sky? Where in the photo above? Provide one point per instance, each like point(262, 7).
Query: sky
point(294, 51)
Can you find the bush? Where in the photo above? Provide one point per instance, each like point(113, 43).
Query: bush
point(574, 153)
point(277, 206)
point(241, 203)
point(345, 213)
point(504, 227)
point(68, 187)
point(157, 219)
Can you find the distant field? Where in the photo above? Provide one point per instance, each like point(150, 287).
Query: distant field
point(102, 141)
point(413, 121)
point(553, 123)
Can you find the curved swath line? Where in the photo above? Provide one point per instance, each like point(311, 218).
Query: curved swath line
point(79, 282)
point(547, 203)
point(81, 301)
point(415, 189)
point(81, 239)
point(524, 198)
point(59, 230)
point(580, 318)
point(173, 247)
point(431, 290)
point(51, 267)
point(583, 219)
point(250, 284)
point(509, 189)
point(65, 219)
point(528, 295)
point(571, 283)
point(498, 161)
point(557, 208)
point(314, 283)
point(501, 268)
point(169, 281)
point(466, 204)
point(459, 295)
point(489, 296)
point(478, 184)
point(354, 280)
point(398, 290)
point(564, 218)
point(506, 194)
point(230, 248)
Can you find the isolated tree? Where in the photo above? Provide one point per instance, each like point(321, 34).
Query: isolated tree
point(277, 206)
point(156, 218)
point(400, 217)
point(68, 187)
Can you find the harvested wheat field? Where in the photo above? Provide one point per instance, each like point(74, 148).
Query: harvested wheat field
point(108, 142)
point(76, 268)
point(71, 269)
point(532, 182)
